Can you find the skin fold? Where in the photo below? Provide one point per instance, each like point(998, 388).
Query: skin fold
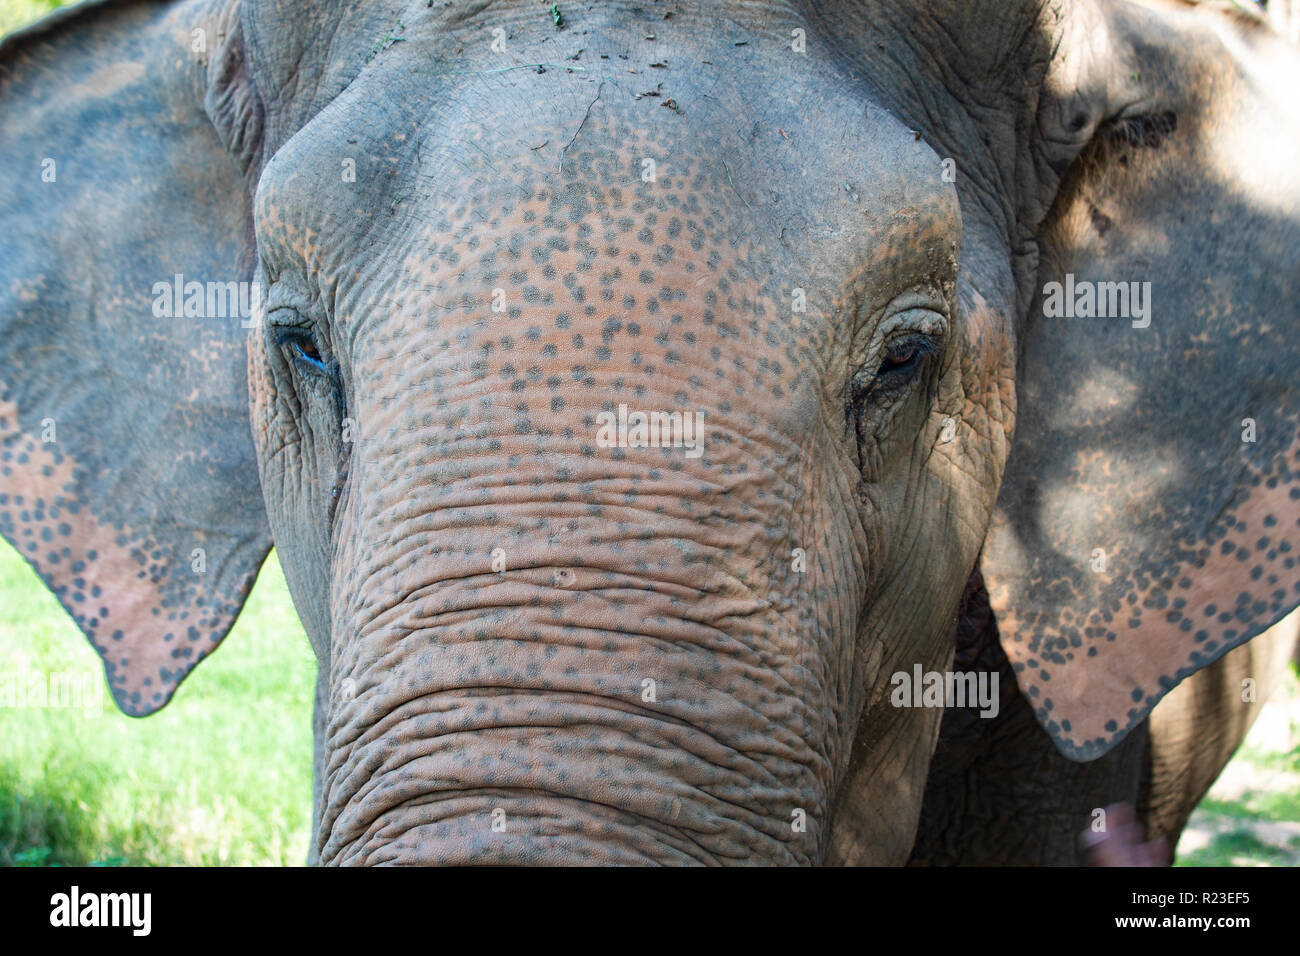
point(821, 231)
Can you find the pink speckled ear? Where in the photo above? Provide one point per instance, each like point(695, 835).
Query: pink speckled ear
point(1149, 520)
point(127, 475)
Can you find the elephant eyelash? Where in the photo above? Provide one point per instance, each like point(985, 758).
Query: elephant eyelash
point(307, 352)
point(303, 351)
point(902, 360)
point(323, 380)
point(899, 367)
point(322, 371)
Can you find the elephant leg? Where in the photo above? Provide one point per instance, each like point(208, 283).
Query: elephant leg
point(1196, 729)
point(999, 792)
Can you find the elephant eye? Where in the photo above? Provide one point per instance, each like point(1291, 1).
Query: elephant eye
point(301, 348)
point(307, 351)
point(900, 367)
point(901, 361)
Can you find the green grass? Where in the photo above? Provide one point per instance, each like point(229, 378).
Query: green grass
point(1237, 847)
point(222, 775)
point(1251, 816)
point(16, 13)
point(1256, 805)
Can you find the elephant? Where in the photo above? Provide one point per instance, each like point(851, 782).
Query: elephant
point(984, 799)
point(705, 432)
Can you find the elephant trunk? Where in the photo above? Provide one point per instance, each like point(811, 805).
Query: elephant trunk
point(573, 612)
point(573, 715)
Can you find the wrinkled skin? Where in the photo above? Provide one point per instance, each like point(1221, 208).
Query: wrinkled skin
point(999, 793)
point(537, 649)
point(476, 433)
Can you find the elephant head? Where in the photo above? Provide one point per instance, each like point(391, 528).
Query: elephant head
point(630, 394)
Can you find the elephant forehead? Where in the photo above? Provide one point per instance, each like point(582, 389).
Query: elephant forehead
point(579, 295)
point(609, 244)
point(816, 187)
point(581, 254)
point(512, 327)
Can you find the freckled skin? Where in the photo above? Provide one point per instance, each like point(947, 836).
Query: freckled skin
point(1195, 564)
point(476, 431)
point(534, 648)
point(984, 798)
point(120, 471)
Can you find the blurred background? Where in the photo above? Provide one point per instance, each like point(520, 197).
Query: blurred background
point(222, 775)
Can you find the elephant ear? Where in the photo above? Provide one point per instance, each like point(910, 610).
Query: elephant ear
point(1149, 519)
point(127, 476)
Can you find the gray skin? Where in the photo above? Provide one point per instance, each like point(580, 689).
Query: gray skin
point(534, 648)
point(984, 798)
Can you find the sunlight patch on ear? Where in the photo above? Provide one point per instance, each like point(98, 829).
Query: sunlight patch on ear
point(1103, 390)
point(107, 81)
point(1065, 507)
point(1240, 136)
